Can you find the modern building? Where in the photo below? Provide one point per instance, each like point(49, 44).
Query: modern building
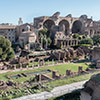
point(8, 31)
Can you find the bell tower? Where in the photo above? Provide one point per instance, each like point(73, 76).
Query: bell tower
point(20, 22)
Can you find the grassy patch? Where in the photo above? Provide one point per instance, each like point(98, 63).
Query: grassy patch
point(70, 96)
point(61, 68)
point(71, 80)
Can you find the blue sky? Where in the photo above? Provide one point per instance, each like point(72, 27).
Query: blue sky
point(11, 10)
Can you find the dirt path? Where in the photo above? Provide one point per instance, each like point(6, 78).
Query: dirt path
point(57, 91)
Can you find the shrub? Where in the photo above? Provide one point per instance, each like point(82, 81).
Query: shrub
point(76, 58)
point(96, 39)
point(69, 58)
point(7, 98)
point(76, 36)
point(86, 41)
point(38, 49)
point(6, 51)
point(83, 36)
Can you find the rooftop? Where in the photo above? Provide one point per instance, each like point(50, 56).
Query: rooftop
point(7, 26)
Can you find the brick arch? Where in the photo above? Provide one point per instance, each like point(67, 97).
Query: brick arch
point(66, 24)
point(48, 23)
point(77, 26)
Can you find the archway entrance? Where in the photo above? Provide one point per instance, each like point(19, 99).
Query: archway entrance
point(77, 26)
point(48, 24)
point(66, 24)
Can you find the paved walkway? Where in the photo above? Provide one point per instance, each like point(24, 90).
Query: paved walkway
point(57, 91)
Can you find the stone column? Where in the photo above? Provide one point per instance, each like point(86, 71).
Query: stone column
point(63, 60)
point(46, 44)
point(53, 61)
point(48, 62)
point(33, 64)
point(27, 66)
point(14, 67)
point(76, 42)
point(65, 44)
point(70, 42)
point(41, 43)
point(59, 56)
point(70, 31)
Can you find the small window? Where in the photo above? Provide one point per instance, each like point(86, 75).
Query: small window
point(12, 37)
point(23, 30)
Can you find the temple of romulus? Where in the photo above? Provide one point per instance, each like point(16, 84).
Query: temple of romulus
point(60, 28)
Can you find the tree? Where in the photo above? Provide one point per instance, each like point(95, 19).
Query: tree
point(96, 39)
point(83, 36)
point(86, 41)
point(44, 34)
point(61, 45)
point(6, 51)
point(44, 31)
point(76, 36)
point(49, 41)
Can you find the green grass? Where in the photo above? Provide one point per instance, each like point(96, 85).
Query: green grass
point(71, 80)
point(35, 63)
point(61, 68)
point(53, 84)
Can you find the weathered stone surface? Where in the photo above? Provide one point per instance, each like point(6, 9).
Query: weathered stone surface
point(91, 89)
point(94, 54)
